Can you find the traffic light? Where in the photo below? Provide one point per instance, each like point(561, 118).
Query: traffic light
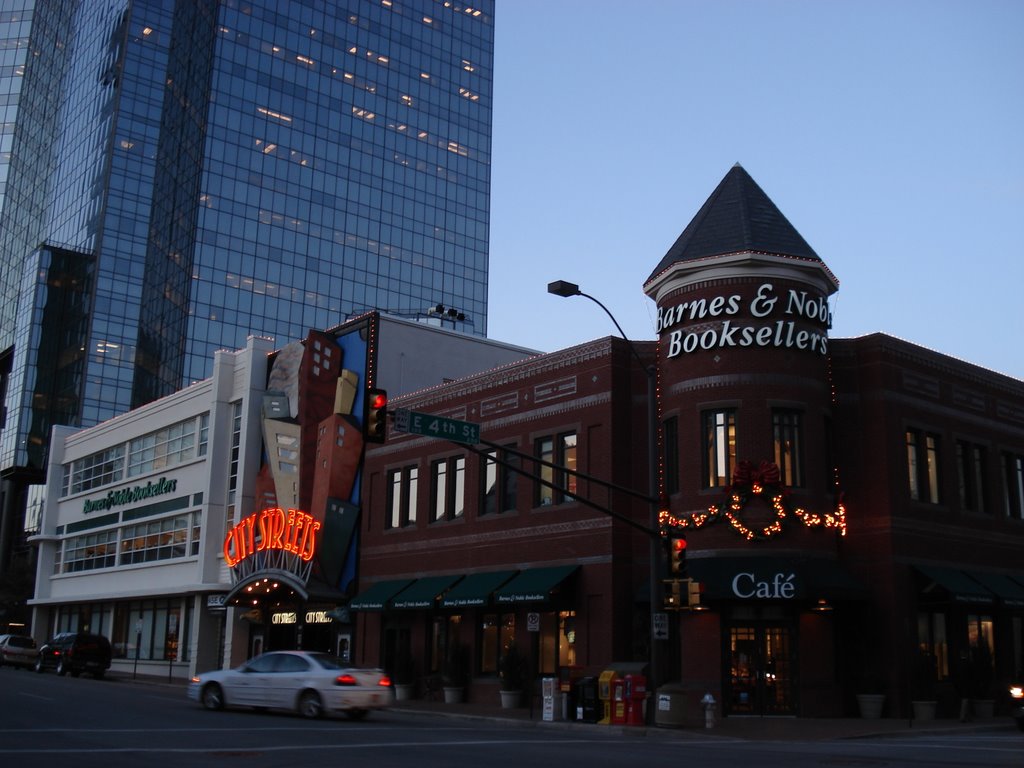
point(693, 594)
point(677, 555)
point(673, 595)
point(375, 421)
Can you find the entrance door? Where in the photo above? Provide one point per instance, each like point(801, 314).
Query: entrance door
point(761, 670)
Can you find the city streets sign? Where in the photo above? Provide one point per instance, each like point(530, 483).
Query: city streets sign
point(779, 319)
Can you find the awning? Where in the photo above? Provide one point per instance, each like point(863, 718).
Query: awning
point(376, 596)
point(534, 585)
point(758, 579)
point(959, 585)
point(423, 593)
point(1005, 588)
point(475, 589)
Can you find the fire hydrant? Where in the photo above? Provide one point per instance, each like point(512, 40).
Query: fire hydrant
point(708, 702)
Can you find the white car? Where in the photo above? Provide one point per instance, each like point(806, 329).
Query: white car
point(310, 683)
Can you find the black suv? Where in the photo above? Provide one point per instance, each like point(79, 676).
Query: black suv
point(74, 653)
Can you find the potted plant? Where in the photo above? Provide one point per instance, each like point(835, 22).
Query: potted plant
point(871, 699)
point(922, 685)
point(512, 676)
point(405, 676)
point(455, 672)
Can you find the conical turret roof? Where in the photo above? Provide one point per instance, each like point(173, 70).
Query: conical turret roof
point(737, 217)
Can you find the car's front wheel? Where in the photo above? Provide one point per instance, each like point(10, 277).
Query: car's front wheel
point(212, 696)
point(310, 705)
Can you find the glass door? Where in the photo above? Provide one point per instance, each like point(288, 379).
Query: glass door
point(760, 679)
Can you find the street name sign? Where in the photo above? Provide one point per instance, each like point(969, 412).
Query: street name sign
point(429, 425)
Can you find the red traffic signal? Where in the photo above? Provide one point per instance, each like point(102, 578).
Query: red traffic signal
point(677, 555)
point(375, 421)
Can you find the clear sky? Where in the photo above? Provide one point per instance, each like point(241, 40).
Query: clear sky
point(889, 133)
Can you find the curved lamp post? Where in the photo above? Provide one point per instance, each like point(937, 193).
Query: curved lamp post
point(565, 289)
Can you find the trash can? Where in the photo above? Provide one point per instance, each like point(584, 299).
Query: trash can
point(670, 706)
point(588, 705)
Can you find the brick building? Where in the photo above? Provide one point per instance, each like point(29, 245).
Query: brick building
point(852, 507)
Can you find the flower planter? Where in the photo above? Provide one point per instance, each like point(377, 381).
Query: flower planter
point(404, 691)
point(871, 705)
point(510, 699)
point(923, 710)
point(452, 695)
point(983, 708)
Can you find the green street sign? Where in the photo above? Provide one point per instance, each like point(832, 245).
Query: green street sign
point(429, 425)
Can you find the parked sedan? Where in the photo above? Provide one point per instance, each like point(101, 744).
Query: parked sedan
point(309, 683)
point(17, 650)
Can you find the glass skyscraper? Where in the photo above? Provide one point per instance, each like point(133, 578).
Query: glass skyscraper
point(181, 174)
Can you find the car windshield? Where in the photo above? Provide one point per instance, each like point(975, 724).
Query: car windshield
point(327, 661)
point(21, 642)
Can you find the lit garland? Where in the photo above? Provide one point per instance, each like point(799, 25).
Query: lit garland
point(762, 483)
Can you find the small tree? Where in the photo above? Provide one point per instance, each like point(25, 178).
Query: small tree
point(455, 670)
point(512, 669)
point(980, 670)
point(923, 675)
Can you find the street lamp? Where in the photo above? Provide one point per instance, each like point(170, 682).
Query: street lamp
point(566, 289)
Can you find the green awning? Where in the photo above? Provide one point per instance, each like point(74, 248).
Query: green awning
point(376, 596)
point(959, 585)
point(475, 589)
point(1005, 587)
point(534, 585)
point(424, 592)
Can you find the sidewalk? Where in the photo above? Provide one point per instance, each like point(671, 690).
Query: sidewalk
point(748, 728)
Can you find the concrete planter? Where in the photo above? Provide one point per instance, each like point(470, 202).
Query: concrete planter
point(871, 705)
point(983, 708)
point(452, 695)
point(510, 699)
point(924, 710)
point(404, 691)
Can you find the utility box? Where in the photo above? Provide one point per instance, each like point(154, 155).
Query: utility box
point(669, 706)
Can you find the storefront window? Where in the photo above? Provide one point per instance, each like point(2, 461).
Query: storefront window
point(931, 639)
point(497, 631)
point(154, 627)
point(557, 641)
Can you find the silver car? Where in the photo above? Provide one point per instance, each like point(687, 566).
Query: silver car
point(17, 651)
point(306, 682)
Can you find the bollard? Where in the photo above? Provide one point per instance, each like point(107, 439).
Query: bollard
point(708, 702)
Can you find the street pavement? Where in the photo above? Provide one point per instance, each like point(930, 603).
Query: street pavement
point(744, 728)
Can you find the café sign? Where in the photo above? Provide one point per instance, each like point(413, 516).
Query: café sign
point(770, 318)
point(780, 586)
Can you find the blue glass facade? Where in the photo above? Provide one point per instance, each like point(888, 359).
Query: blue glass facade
point(186, 173)
point(234, 168)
